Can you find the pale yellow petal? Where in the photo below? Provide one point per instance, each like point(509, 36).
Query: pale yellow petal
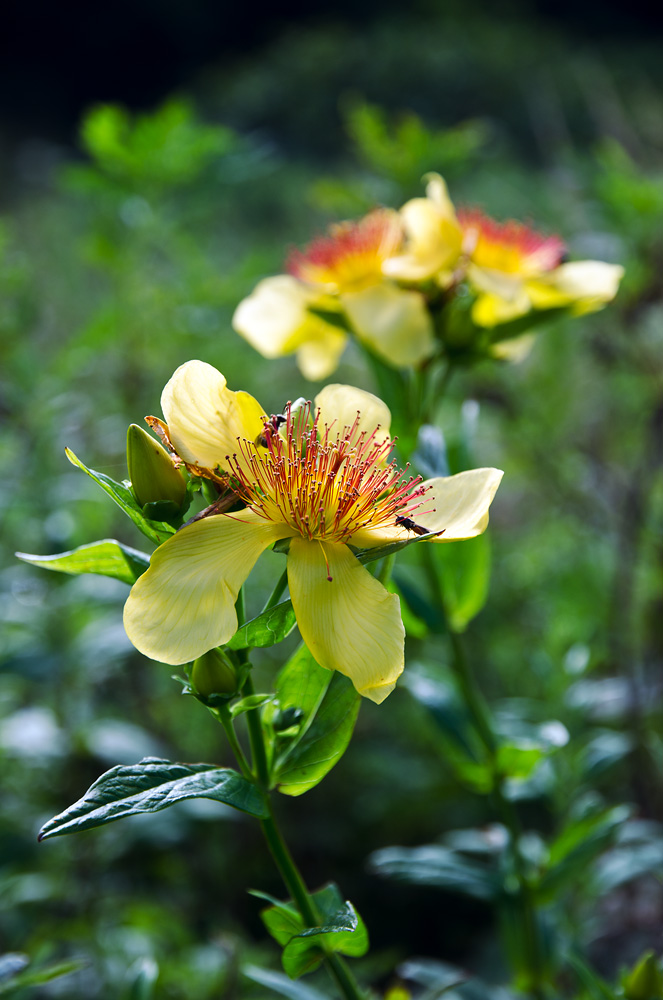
point(455, 505)
point(514, 349)
point(590, 282)
point(350, 624)
point(184, 604)
point(340, 404)
point(205, 418)
point(272, 316)
point(434, 238)
point(491, 310)
point(458, 505)
point(393, 322)
point(504, 285)
point(318, 358)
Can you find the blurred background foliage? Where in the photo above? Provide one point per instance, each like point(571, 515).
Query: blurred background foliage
point(125, 257)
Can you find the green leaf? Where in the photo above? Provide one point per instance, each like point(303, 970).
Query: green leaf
point(156, 531)
point(329, 706)
point(518, 759)
point(279, 983)
point(581, 841)
point(267, 629)
point(151, 785)
point(464, 572)
point(644, 981)
point(22, 977)
point(379, 552)
point(105, 558)
point(433, 864)
point(345, 932)
point(249, 703)
point(341, 929)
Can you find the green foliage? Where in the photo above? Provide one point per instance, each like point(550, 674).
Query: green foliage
point(341, 930)
point(17, 974)
point(166, 148)
point(645, 980)
point(327, 706)
point(436, 865)
point(150, 786)
point(105, 558)
point(266, 629)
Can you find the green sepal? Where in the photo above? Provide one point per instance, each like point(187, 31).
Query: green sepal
point(213, 674)
point(152, 785)
point(156, 531)
point(104, 558)
point(329, 706)
point(155, 479)
point(341, 930)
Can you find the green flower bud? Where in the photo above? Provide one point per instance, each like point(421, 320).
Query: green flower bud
point(212, 673)
point(152, 471)
point(645, 981)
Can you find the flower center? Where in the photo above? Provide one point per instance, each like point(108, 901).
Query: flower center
point(351, 257)
point(508, 246)
point(325, 484)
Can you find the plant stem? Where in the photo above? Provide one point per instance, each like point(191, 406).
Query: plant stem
point(384, 573)
point(480, 714)
point(299, 893)
point(283, 859)
point(277, 593)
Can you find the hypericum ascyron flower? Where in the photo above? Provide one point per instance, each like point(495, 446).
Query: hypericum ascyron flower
point(320, 476)
point(342, 273)
point(514, 269)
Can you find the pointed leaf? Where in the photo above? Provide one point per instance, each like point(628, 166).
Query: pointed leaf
point(105, 558)
point(156, 531)
point(464, 572)
point(433, 864)
point(267, 629)
point(149, 786)
point(279, 983)
point(343, 932)
point(329, 706)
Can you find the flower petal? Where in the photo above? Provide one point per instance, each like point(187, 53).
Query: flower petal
point(340, 404)
point(490, 310)
point(350, 624)
point(275, 320)
point(460, 503)
point(434, 237)
point(318, 358)
point(184, 604)
point(205, 418)
point(588, 283)
point(455, 505)
point(395, 323)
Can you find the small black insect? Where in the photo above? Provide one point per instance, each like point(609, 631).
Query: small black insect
point(409, 525)
point(273, 424)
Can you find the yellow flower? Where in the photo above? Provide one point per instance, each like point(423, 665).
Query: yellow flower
point(434, 238)
point(340, 273)
point(514, 270)
point(319, 476)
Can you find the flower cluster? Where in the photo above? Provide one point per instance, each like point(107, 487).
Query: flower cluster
point(388, 277)
point(318, 475)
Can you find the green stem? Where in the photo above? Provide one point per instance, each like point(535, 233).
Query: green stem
point(224, 718)
point(384, 573)
point(299, 893)
point(483, 723)
point(277, 593)
point(260, 775)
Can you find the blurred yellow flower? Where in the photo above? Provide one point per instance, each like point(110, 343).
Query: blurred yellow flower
point(342, 274)
point(434, 238)
point(319, 476)
point(514, 269)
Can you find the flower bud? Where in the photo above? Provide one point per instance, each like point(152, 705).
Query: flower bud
point(212, 673)
point(645, 981)
point(152, 471)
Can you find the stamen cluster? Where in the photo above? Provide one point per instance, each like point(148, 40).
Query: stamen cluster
point(507, 245)
point(325, 484)
point(353, 252)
